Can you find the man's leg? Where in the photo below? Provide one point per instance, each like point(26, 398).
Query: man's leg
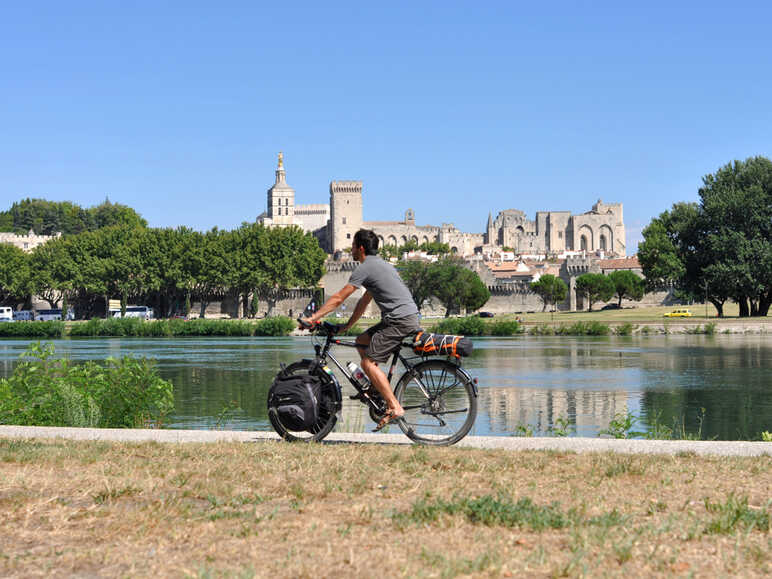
point(378, 377)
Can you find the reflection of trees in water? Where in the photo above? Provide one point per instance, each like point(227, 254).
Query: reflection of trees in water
point(730, 414)
point(728, 377)
point(534, 354)
point(508, 408)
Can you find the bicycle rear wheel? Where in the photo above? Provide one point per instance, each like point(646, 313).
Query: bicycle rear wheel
point(328, 409)
point(440, 403)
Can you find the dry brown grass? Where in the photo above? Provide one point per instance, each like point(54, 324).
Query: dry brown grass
point(275, 509)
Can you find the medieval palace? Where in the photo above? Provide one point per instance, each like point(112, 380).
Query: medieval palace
point(553, 233)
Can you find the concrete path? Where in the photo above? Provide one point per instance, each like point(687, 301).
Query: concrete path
point(721, 448)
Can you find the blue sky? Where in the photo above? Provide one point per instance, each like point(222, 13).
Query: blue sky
point(178, 109)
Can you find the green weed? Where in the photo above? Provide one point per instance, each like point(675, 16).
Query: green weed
point(735, 514)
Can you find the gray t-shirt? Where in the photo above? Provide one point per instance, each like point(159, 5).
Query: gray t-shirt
point(387, 288)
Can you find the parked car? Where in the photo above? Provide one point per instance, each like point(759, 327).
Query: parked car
point(485, 314)
point(611, 307)
point(6, 314)
point(679, 313)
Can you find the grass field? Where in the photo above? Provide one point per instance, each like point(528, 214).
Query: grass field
point(280, 510)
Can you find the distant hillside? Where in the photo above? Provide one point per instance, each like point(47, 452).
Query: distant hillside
point(48, 217)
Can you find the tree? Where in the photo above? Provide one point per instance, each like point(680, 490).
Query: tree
point(551, 289)
point(288, 258)
point(627, 285)
point(736, 212)
point(456, 286)
point(595, 287)
point(435, 248)
point(14, 274)
point(417, 276)
point(54, 274)
point(216, 268)
point(50, 217)
point(722, 248)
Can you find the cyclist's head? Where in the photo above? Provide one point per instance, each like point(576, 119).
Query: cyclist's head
point(366, 239)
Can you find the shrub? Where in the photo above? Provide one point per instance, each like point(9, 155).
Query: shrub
point(504, 328)
point(624, 330)
point(275, 326)
point(53, 329)
point(468, 326)
point(583, 329)
point(120, 327)
point(44, 391)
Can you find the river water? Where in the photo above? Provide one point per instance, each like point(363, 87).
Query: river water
point(711, 387)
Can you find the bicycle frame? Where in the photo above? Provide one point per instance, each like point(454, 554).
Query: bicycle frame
point(323, 352)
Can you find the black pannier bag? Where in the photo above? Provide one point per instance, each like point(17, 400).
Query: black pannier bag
point(428, 344)
point(295, 398)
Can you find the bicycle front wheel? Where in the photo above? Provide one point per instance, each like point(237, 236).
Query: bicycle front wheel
point(327, 409)
point(440, 403)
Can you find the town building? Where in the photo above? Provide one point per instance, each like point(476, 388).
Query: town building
point(26, 242)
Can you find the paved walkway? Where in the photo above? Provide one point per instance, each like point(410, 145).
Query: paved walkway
point(722, 448)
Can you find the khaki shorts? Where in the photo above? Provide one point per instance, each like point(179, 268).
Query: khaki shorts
point(387, 335)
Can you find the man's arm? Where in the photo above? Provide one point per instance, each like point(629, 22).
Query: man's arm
point(362, 304)
point(333, 303)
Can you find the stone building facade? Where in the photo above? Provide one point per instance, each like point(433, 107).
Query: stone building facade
point(601, 229)
point(26, 242)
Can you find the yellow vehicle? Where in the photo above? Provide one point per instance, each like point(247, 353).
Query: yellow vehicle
point(680, 313)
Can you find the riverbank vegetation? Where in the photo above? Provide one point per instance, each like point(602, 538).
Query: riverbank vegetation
point(135, 327)
point(334, 510)
point(45, 390)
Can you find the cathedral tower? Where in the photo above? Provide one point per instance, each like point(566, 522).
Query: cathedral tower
point(281, 199)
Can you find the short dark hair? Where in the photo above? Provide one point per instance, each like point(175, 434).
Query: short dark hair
point(368, 239)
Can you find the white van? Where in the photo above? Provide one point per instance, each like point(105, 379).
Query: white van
point(6, 314)
point(23, 316)
point(143, 312)
point(51, 315)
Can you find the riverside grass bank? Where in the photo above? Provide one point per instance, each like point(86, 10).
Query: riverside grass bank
point(568, 324)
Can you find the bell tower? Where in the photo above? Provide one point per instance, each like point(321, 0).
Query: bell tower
point(281, 198)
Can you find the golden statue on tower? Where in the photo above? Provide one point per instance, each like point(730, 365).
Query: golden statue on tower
point(281, 160)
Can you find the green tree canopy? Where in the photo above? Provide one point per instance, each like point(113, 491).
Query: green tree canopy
point(417, 275)
point(456, 286)
point(595, 287)
point(627, 285)
point(551, 289)
point(14, 274)
point(49, 217)
point(287, 258)
point(722, 248)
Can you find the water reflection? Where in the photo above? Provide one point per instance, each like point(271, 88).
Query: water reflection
point(525, 383)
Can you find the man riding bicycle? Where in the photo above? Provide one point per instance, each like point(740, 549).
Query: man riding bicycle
point(399, 315)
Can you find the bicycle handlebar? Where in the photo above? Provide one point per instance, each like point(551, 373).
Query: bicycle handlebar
point(327, 327)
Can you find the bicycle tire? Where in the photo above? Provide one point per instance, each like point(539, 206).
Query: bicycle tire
point(447, 414)
point(328, 410)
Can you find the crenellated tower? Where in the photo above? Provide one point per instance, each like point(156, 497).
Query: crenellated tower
point(345, 213)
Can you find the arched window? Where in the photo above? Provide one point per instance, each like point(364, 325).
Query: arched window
point(583, 243)
point(603, 242)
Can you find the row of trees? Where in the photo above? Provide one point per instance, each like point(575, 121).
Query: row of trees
point(720, 248)
point(593, 287)
point(50, 217)
point(166, 268)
